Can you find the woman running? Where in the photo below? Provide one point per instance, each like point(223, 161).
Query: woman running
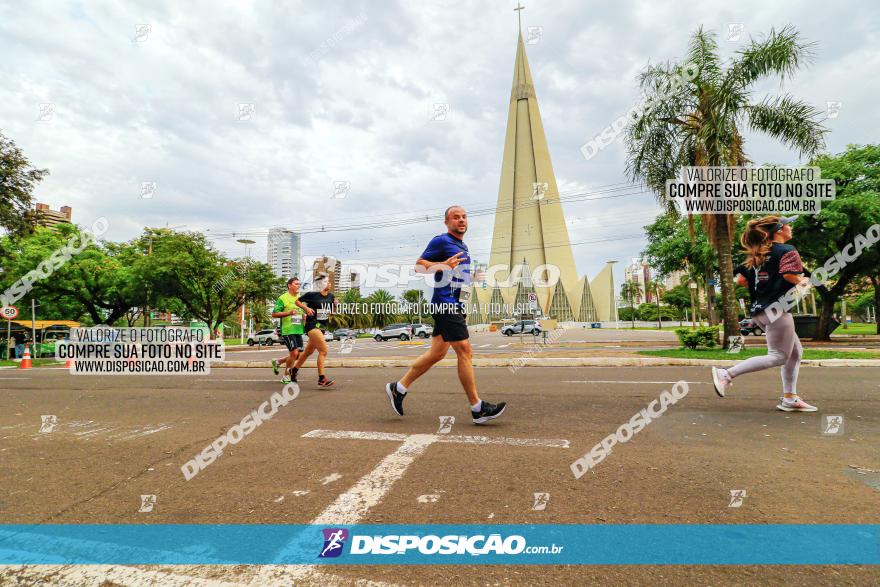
point(321, 301)
point(772, 268)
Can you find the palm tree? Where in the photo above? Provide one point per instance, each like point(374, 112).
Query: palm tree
point(695, 118)
point(628, 291)
point(654, 286)
point(384, 300)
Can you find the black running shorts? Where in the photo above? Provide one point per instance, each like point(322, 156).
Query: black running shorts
point(452, 326)
point(293, 341)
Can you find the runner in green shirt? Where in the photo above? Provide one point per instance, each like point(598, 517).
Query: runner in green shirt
point(291, 311)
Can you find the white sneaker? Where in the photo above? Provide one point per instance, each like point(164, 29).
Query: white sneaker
point(721, 380)
point(795, 404)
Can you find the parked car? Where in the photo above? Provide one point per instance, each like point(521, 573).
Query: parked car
point(524, 326)
point(267, 337)
point(421, 330)
point(401, 331)
point(748, 326)
point(328, 336)
point(344, 333)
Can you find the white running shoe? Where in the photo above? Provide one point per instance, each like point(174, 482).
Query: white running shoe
point(721, 380)
point(795, 404)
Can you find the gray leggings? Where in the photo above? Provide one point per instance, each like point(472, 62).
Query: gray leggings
point(784, 348)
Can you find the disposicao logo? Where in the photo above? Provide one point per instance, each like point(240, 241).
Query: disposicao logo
point(334, 541)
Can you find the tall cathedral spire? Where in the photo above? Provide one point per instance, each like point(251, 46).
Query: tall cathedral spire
point(530, 226)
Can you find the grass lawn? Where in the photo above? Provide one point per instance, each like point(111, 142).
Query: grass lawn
point(856, 329)
point(757, 351)
point(623, 326)
point(36, 362)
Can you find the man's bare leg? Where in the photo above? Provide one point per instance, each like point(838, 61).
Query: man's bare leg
point(466, 375)
point(426, 360)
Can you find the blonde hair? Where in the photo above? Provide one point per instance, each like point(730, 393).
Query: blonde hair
point(757, 239)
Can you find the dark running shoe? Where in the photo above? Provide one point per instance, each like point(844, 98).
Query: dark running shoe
point(325, 382)
point(395, 397)
point(488, 412)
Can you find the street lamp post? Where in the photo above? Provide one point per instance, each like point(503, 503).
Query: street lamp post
point(692, 286)
point(246, 242)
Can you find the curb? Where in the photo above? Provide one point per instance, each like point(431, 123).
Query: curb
point(556, 362)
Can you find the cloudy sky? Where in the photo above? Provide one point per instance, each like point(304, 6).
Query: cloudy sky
point(110, 95)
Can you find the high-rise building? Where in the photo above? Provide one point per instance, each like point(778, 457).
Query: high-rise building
point(330, 266)
point(639, 272)
point(530, 237)
point(48, 217)
point(284, 252)
point(348, 279)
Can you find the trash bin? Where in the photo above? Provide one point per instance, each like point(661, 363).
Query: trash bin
point(805, 325)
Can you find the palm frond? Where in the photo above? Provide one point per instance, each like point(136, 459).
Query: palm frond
point(792, 121)
point(781, 53)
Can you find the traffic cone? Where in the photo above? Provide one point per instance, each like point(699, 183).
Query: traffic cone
point(26, 360)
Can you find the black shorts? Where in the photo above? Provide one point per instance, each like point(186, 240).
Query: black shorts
point(452, 326)
point(312, 325)
point(293, 341)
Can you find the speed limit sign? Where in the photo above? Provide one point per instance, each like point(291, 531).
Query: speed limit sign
point(9, 312)
point(533, 298)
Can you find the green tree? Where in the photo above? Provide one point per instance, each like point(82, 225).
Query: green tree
point(17, 181)
point(184, 266)
point(101, 280)
point(698, 109)
point(416, 297)
point(672, 248)
point(648, 312)
point(855, 208)
point(678, 297)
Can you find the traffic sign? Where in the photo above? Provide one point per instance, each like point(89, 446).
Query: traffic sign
point(9, 312)
point(533, 298)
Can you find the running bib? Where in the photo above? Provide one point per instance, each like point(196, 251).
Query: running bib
point(323, 313)
point(296, 319)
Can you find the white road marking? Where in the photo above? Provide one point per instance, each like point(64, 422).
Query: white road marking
point(503, 346)
point(353, 505)
point(331, 478)
point(482, 346)
point(433, 498)
point(633, 382)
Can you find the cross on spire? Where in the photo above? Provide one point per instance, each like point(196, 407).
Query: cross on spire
point(519, 8)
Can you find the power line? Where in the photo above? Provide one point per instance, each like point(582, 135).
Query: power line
point(584, 196)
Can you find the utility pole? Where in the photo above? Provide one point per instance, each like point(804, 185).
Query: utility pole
point(34, 325)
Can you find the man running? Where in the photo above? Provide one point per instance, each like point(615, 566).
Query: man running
point(320, 304)
point(290, 310)
point(447, 257)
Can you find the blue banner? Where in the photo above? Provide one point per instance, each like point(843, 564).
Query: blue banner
point(627, 544)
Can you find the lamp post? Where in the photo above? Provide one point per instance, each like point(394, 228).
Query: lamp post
point(246, 242)
point(692, 286)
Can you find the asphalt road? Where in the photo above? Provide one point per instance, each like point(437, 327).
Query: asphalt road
point(118, 438)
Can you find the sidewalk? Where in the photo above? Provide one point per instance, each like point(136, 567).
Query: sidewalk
point(557, 361)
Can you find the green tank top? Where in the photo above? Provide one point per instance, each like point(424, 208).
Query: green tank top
point(289, 324)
